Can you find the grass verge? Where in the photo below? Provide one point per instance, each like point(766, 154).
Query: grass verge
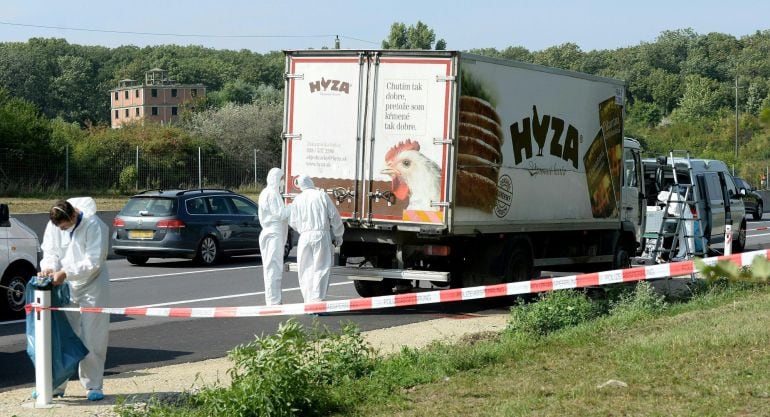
point(707, 357)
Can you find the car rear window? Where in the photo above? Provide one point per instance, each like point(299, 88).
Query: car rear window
point(149, 206)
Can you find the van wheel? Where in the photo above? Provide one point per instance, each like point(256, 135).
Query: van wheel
point(208, 251)
point(739, 243)
point(12, 298)
point(137, 260)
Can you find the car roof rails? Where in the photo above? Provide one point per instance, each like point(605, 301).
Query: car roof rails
point(158, 190)
point(202, 190)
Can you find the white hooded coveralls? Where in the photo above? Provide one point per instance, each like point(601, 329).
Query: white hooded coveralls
point(273, 216)
point(83, 257)
point(315, 217)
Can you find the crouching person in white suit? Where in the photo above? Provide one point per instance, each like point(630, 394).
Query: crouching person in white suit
point(75, 253)
point(315, 217)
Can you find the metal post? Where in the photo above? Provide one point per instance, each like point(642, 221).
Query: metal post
point(729, 239)
point(43, 361)
point(67, 167)
point(736, 123)
point(255, 169)
point(137, 169)
point(200, 170)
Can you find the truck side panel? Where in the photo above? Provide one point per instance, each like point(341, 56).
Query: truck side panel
point(551, 148)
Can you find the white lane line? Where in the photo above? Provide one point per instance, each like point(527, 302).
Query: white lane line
point(171, 274)
point(224, 297)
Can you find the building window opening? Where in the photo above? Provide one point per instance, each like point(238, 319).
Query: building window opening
point(173, 92)
point(126, 95)
point(154, 111)
point(137, 93)
point(154, 92)
point(194, 92)
point(126, 113)
point(116, 96)
point(137, 111)
point(173, 111)
point(117, 115)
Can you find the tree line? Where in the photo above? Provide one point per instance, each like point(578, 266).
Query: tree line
point(681, 92)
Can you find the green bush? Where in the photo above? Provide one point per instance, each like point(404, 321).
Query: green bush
point(642, 301)
point(553, 311)
point(289, 373)
point(127, 179)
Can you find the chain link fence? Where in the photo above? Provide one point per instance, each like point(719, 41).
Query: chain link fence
point(129, 170)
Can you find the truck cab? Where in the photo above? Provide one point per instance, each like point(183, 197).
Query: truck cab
point(19, 252)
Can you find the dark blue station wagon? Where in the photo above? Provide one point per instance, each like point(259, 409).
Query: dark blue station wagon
point(201, 224)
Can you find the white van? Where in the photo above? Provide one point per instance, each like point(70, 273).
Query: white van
point(19, 252)
point(716, 194)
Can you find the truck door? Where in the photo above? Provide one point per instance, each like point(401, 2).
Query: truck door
point(633, 204)
point(323, 124)
point(409, 143)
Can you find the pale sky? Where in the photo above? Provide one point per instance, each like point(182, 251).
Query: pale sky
point(264, 26)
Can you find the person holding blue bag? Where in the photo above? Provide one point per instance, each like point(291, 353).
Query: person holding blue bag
point(75, 248)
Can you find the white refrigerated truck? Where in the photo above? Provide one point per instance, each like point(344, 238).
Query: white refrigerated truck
point(460, 169)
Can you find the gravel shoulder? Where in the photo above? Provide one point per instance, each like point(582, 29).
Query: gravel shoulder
point(138, 386)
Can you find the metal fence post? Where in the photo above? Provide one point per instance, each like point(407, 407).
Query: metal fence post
point(200, 170)
point(43, 354)
point(137, 169)
point(255, 169)
point(67, 167)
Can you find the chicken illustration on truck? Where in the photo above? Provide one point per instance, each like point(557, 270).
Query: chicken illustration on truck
point(460, 169)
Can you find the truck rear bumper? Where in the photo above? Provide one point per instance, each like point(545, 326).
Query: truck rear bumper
point(378, 274)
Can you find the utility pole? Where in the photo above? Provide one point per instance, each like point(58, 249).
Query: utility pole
point(736, 123)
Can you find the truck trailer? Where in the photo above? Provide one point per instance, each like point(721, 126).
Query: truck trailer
point(460, 169)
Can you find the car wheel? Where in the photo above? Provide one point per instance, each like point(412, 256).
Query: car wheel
point(12, 301)
point(758, 211)
point(286, 250)
point(137, 260)
point(208, 251)
point(739, 243)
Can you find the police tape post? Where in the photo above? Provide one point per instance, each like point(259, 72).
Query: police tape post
point(728, 239)
point(43, 352)
point(43, 373)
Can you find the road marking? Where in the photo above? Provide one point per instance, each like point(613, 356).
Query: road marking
point(223, 297)
point(171, 274)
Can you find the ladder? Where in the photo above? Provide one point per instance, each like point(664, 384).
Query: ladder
point(678, 221)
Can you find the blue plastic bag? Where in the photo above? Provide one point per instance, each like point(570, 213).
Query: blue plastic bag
point(67, 350)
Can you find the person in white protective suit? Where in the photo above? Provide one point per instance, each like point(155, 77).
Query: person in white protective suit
point(315, 217)
point(75, 248)
point(273, 216)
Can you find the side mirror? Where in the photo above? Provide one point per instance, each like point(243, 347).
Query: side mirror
point(5, 216)
point(743, 191)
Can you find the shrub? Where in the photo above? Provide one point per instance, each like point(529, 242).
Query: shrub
point(553, 311)
point(127, 179)
point(289, 373)
point(642, 301)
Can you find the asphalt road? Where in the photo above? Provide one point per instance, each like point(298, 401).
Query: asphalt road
point(142, 342)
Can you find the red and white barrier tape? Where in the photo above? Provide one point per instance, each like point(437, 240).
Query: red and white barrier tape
point(439, 296)
point(758, 228)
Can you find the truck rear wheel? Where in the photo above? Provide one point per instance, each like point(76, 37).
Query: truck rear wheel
point(373, 288)
point(519, 266)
